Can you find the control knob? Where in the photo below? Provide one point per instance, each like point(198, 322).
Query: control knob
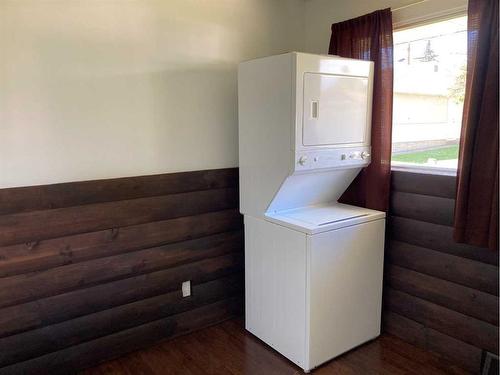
point(302, 160)
point(365, 155)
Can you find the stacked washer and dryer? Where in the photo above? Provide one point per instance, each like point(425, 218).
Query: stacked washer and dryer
point(313, 266)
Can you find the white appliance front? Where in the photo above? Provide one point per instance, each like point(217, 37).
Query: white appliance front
point(344, 289)
point(313, 297)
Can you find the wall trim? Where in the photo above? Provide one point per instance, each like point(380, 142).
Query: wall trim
point(441, 15)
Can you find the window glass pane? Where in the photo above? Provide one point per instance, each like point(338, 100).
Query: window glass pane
point(429, 84)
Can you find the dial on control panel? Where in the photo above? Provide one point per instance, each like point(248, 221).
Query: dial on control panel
point(359, 155)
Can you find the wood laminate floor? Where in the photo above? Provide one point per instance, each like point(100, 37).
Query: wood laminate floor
point(227, 348)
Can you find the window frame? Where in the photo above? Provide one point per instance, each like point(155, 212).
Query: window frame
point(403, 25)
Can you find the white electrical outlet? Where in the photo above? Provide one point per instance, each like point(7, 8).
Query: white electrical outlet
point(186, 288)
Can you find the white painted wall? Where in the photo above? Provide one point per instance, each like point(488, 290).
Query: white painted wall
point(320, 14)
point(108, 88)
point(99, 89)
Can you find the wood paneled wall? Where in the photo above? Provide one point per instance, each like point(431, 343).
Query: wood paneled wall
point(91, 270)
point(439, 295)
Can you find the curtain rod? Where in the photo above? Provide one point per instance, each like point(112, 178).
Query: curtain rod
point(408, 5)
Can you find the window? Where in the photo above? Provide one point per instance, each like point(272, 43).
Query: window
point(429, 85)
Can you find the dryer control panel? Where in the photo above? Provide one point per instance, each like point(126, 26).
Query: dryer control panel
point(332, 158)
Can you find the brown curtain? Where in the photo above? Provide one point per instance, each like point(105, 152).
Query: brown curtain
point(476, 208)
point(369, 37)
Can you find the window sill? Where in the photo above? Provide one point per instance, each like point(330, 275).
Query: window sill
point(405, 167)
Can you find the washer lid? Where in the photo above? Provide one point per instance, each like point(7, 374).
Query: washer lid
point(324, 217)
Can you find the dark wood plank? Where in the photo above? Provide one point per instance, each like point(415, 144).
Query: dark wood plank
point(459, 298)
point(20, 258)
point(424, 183)
point(427, 208)
point(368, 358)
point(51, 310)
point(107, 347)
point(39, 225)
point(437, 237)
point(450, 289)
point(467, 356)
point(44, 197)
point(55, 337)
point(234, 351)
point(462, 327)
point(424, 362)
point(23, 288)
point(258, 356)
point(470, 273)
point(404, 328)
point(92, 269)
point(394, 364)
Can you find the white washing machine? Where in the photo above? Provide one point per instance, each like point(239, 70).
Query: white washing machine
point(313, 266)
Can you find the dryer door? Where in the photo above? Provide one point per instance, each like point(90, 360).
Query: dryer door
point(335, 110)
